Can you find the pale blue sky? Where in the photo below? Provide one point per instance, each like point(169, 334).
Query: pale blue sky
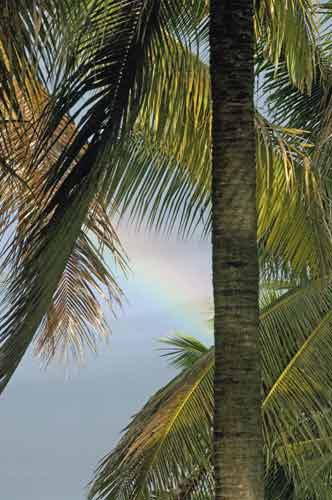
point(54, 430)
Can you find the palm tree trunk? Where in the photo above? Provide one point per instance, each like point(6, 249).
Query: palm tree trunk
point(238, 450)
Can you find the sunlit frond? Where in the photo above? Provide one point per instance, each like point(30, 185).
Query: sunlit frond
point(105, 68)
point(150, 187)
point(289, 31)
point(76, 317)
point(163, 178)
point(33, 36)
point(296, 355)
point(291, 225)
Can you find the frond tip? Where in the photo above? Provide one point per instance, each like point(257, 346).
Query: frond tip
point(76, 317)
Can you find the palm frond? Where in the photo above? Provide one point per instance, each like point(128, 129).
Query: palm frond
point(291, 211)
point(289, 33)
point(167, 165)
point(296, 357)
point(278, 485)
point(31, 36)
point(296, 351)
point(163, 178)
point(182, 350)
point(111, 71)
point(150, 187)
point(108, 79)
point(76, 317)
point(175, 423)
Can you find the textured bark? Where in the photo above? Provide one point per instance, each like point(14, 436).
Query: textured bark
point(238, 452)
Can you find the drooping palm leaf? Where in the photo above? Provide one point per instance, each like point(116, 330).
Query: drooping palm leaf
point(76, 318)
point(289, 32)
point(75, 315)
point(117, 38)
point(162, 177)
point(157, 452)
point(183, 351)
point(297, 354)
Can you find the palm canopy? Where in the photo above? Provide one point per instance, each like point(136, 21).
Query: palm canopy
point(104, 63)
point(75, 317)
point(166, 451)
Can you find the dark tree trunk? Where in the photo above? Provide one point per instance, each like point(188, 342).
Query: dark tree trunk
point(238, 449)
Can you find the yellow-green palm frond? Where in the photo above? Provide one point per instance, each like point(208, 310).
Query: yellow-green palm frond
point(103, 88)
point(296, 353)
point(297, 382)
point(296, 333)
point(76, 319)
point(106, 68)
point(162, 177)
point(150, 187)
point(182, 350)
point(290, 107)
point(165, 442)
point(292, 224)
point(162, 173)
point(30, 42)
point(288, 31)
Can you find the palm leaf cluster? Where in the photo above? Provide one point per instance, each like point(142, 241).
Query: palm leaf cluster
point(98, 72)
point(74, 317)
point(90, 129)
point(168, 444)
point(88, 126)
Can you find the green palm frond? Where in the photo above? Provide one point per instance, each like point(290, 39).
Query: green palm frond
point(296, 333)
point(171, 137)
point(289, 107)
point(197, 487)
point(163, 178)
point(297, 355)
point(182, 350)
point(150, 187)
point(160, 430)
point(278, 485)
point(106, 66)
point(291, 211)
point(32, 39)
point(111, 71)
point(284, 32)
point(289, 32)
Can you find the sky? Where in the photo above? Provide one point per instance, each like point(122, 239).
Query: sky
point(55, 425)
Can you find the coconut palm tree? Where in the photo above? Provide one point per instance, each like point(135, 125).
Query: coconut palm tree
point(154, 153)
point(237, 441)
point(105, 68)
point(166, 451)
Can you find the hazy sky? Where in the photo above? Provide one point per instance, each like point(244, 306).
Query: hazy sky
point(53, 429)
